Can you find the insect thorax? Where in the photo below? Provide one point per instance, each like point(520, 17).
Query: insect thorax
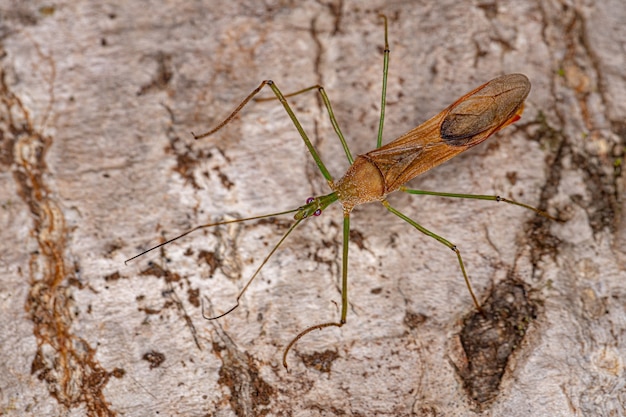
point(362, 183)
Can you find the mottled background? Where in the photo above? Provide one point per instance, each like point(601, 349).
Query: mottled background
point(97, 101)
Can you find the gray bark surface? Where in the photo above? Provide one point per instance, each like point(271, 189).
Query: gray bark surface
point(97, 163)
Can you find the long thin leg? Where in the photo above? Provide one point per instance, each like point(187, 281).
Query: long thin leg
point(496, 198)
point(267, 258)
point(203, 226)
point(292, 116)
point(383, 99)
point(329, 109)
point(344, 293)
point(441, 240)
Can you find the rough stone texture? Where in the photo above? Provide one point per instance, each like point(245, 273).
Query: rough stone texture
point(97, 163)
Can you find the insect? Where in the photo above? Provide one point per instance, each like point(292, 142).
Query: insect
point(372, 176)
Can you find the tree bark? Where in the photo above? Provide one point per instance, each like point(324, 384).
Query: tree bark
point(97, 164)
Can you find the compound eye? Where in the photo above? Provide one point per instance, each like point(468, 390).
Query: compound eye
point(317, 212)
point(310, 200)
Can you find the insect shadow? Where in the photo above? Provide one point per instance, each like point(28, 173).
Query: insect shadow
point(372, 176)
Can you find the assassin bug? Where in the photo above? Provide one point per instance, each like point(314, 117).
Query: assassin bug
point(372, 176)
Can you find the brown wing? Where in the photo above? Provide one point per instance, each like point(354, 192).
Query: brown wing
point(467, 122)
point(489, 108)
